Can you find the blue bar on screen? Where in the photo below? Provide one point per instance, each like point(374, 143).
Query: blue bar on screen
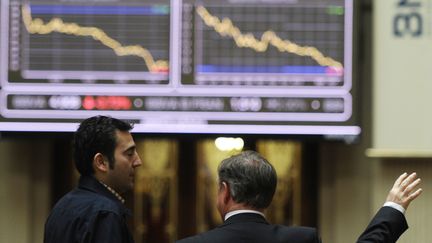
point(262, 69)
point(100, 10)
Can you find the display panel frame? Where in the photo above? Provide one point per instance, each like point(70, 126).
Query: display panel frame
point(176, 107)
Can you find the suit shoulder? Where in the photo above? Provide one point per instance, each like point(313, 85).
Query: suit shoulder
point(81, 202)
point(303, 234)
point(190, 239)
point(213, 235)
point(302, 229)
point(256, 233)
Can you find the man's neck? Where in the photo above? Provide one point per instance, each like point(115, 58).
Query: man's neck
point(234, 208)
point(240, 211)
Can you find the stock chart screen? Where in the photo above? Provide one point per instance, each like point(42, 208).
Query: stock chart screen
point(89, 43)
point(179, 66)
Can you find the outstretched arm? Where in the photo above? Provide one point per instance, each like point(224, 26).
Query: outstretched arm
point(389, 223)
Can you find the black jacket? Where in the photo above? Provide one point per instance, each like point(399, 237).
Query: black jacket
point(253, 228)
point(386, 227)
point(89, 213)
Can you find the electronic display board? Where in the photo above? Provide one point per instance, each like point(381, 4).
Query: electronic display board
point(179, 66)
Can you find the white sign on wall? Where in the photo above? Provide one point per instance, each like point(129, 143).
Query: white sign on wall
point(402, 79)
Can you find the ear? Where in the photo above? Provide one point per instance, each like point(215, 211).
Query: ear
point(226, 193)
point(100, 162)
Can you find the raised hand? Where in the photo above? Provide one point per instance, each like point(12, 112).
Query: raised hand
point(403, 191)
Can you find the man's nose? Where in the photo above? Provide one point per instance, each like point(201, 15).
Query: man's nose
point(137, 161)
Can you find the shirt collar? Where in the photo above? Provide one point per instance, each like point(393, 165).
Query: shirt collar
point(92, 184)
point(235, 212)
point(120, 198)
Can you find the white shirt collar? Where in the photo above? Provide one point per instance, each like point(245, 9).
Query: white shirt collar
point(235, 212)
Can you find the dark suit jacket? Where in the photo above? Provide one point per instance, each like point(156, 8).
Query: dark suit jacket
point(253, 228)
point(386, 227)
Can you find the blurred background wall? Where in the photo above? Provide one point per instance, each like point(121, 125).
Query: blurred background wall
point(347, 186)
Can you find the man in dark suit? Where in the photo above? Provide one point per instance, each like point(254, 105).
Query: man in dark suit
point(247, 182)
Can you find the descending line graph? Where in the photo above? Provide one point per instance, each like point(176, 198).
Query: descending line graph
point(81, 43)
point(225, 27)
point(300, 44)
point(37, 26)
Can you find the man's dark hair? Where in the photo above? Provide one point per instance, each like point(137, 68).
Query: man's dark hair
point(96, 135)
point(251, 178)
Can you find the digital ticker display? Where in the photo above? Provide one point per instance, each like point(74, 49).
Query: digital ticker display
point(179, 66)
